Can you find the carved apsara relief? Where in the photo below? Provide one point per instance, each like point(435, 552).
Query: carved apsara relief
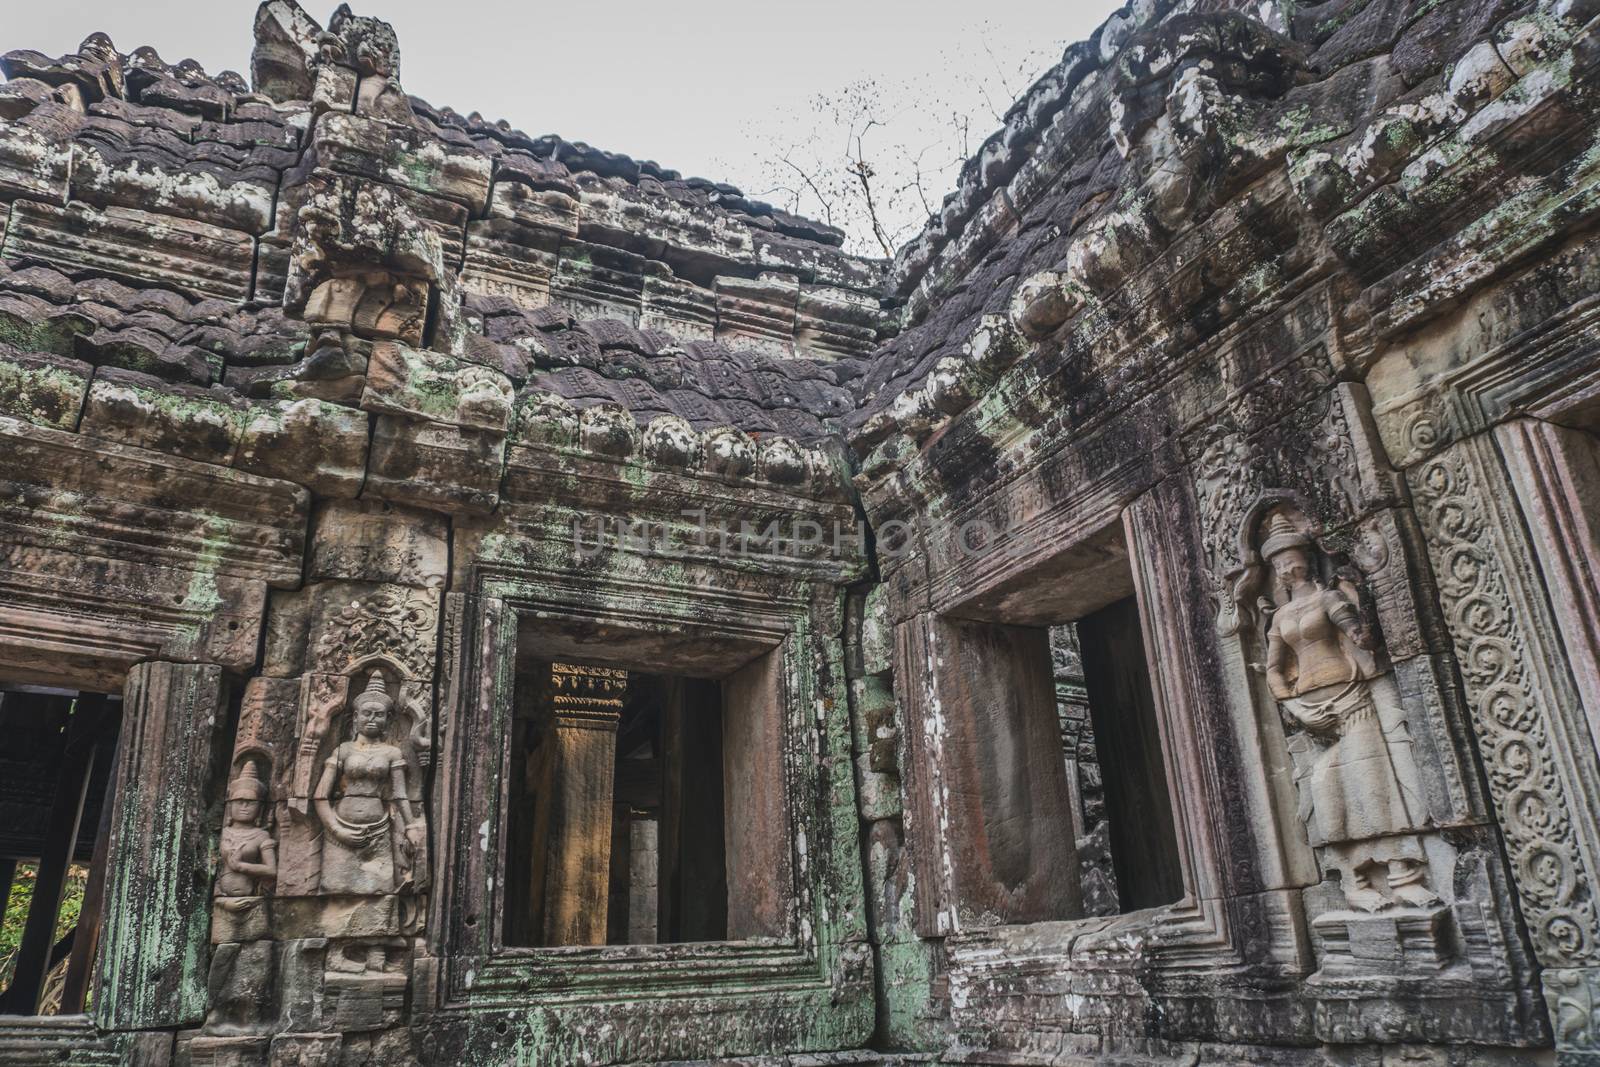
point(374, 839)
point(1361, 794)
point(326, 833)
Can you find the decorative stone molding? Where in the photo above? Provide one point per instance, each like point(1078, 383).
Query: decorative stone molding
point(392, 623)
point(1520, 696)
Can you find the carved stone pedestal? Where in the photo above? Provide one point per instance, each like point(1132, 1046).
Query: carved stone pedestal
point(364, 987)
point(358, 1002)
point(229, 1051)
point(305, 1050)
point(1401, 939)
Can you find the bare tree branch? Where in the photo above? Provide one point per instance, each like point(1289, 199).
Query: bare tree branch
point(874, 158)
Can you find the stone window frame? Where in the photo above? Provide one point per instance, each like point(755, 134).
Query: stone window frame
point(1199, 931)
point(172, 723)
point(475, 969)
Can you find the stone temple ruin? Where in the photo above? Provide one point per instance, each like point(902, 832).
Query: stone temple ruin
point(472, 598)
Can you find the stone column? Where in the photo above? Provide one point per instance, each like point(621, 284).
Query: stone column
point(155, 942)
point(644, 861)
point(575, 802)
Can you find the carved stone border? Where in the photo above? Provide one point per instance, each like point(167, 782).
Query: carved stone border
point(1524, 705)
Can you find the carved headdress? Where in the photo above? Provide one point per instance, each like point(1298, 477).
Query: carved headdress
point(376, 693)
point(1281, 533)
point(247, 784)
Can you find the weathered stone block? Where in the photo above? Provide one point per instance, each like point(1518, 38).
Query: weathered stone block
point(33, 325)
point(306, 1050)
point(300, 971)
point(879, 792)
point(372, 541)
point(407, 157)
point(337, 918)
point(429, 387)
point(835, 323)
point(595, 281)
point(33, 164)
point(184, 585)
point(619, 213)
point(435, 465)
point(680, 308)
point(43, 389)
point(507, 258)
point(877, 632)
point(126, 242)
point(544, 212)
point(208, 1051)
point(319, 445)
point(137, 409)
point(288, 622)
point(758, 313)
point(209, 195)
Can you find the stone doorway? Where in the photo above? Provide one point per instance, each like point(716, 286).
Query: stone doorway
point(56, 793)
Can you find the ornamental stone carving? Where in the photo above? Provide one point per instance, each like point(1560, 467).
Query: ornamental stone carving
point(394, 623)
point(1490, 621)
point(373, 839)
point(1360, 790)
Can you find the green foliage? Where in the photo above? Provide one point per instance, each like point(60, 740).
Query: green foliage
point(16, 916)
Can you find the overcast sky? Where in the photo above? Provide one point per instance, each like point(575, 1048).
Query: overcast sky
point(703, 87)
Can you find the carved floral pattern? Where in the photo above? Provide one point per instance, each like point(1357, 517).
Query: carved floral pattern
point(1288, 431)
point(395, 624)
point(1506, 711)
point(1225, 488)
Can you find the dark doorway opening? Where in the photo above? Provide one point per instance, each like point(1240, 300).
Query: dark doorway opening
point(1131, 771)
point(56, 784)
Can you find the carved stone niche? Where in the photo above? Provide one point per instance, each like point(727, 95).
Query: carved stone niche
point(1362, 800)
point(241, 986)
point(1412, 901)
point(355, 869)
point(357, 839)
point(349, 735)
point(241, 923)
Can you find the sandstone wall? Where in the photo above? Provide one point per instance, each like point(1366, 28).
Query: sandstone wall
point(323, 406)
